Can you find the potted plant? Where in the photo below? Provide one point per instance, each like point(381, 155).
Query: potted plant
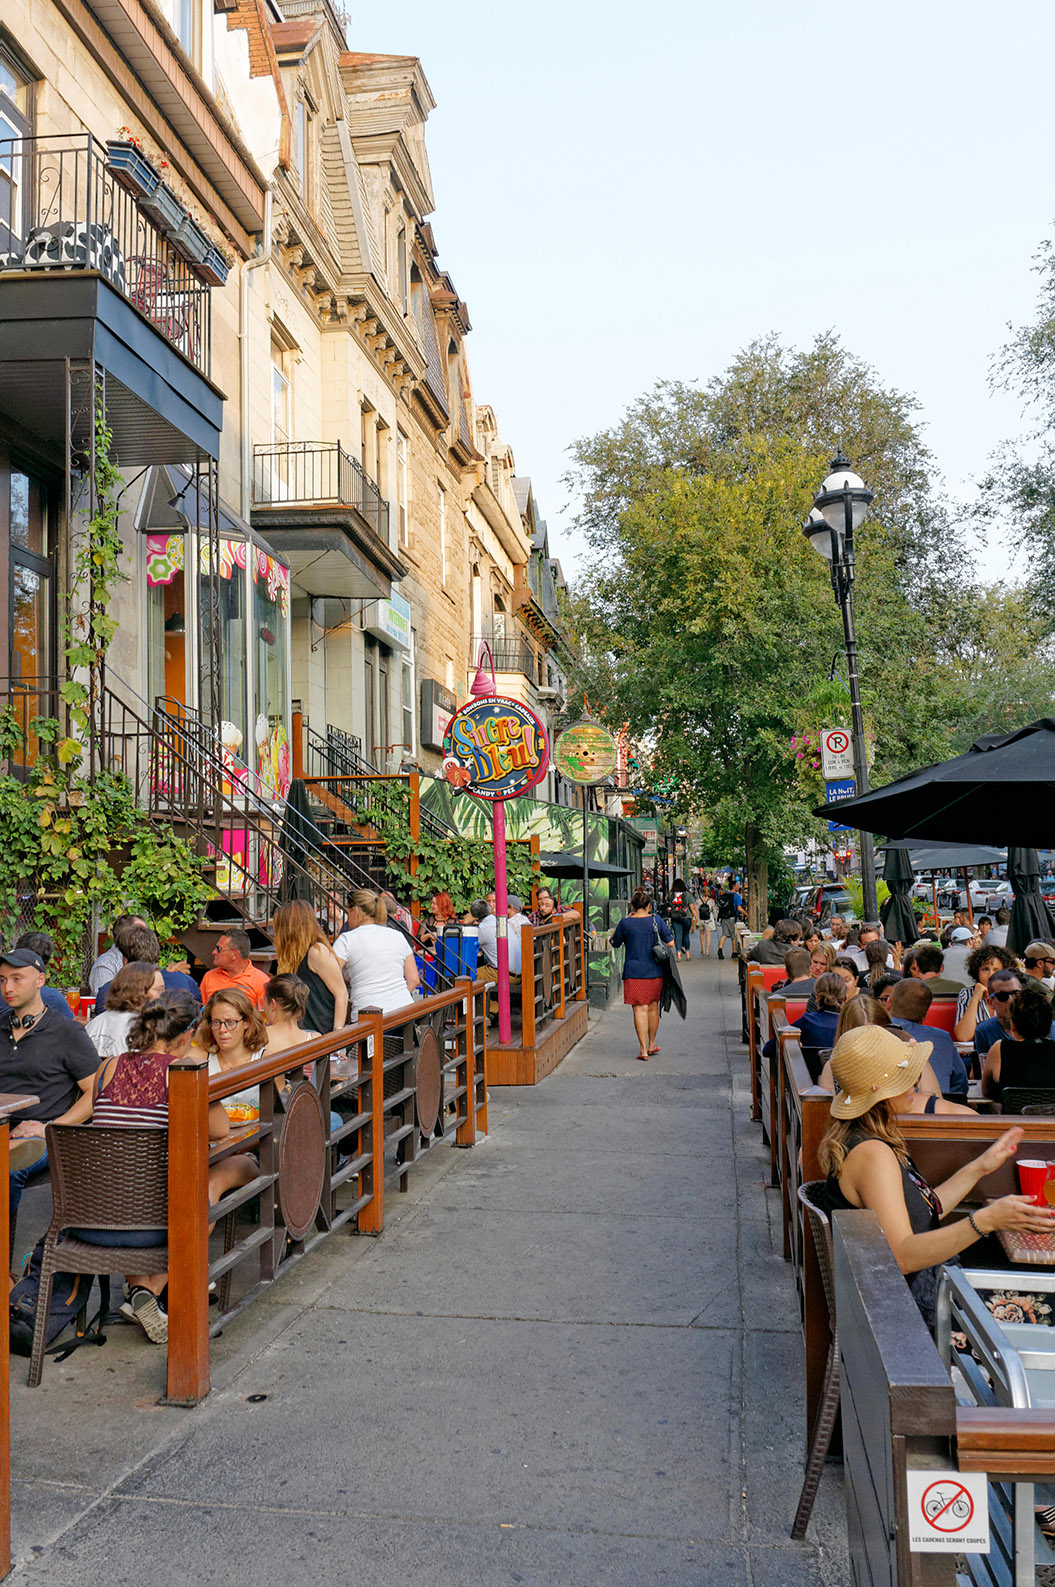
point(214, 268)
point(130, 165)
point(190, 241)
point(163, 208)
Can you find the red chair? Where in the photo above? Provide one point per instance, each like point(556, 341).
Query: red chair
point(771, 974)
point(794, 1008)
point(942, 1014)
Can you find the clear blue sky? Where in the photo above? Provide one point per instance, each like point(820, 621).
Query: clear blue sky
point(629, 192)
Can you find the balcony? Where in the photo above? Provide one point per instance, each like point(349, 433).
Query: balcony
point(316, 506)
point(512, 649)
point(86, 276)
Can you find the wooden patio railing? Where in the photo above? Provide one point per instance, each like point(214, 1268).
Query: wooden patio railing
point(420, 1071)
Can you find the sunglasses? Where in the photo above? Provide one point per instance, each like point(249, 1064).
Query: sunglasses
point(1001, 997)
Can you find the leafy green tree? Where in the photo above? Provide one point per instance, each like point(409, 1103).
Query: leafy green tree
point(708, 621)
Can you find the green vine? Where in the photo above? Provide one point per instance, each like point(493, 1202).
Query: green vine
point(88, 626)
point(461, 866)
point(72, 845)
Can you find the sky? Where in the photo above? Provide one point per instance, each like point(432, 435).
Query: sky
point(627, 193)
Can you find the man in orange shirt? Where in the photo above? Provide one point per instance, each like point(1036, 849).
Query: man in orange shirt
point(231, 967)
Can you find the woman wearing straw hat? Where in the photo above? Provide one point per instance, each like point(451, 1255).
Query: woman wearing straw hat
point(867, 1163)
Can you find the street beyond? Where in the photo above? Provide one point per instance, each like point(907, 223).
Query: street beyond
point(573, 1357)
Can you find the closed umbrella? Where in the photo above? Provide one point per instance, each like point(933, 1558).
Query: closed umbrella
point(897, 914)
point(1030, 916)
point(1003, 787)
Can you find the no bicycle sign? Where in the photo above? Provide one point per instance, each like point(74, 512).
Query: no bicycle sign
point(948, 1512)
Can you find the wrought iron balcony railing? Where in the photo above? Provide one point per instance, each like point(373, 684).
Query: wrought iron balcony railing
point(316, 474)
point(64, 210)
point(511, 649)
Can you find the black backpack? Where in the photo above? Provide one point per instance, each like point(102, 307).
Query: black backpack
point(726, 907)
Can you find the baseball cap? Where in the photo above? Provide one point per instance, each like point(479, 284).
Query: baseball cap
point(514, 903)
point(23, 959)
point(961, 934)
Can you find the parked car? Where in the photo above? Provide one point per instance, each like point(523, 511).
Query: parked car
point(1047, 888)
point(828, 899)
point(999, 895)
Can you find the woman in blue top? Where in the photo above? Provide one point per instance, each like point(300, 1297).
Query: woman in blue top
point(642, 976)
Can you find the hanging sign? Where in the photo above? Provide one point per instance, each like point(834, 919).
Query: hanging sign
point(495, 748)
point(586, 753)
point(948, 1512)
point(837, 756)
point(839, 790)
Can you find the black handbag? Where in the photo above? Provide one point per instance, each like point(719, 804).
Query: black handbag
point(662, 951)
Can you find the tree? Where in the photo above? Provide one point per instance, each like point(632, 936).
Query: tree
point(708, 621)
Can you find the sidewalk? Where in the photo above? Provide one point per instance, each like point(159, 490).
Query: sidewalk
point(573, 1358)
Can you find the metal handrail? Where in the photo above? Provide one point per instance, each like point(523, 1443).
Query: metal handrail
point(338, 755)
point(77, 216)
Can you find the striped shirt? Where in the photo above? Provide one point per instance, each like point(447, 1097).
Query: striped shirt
point(135, 1092)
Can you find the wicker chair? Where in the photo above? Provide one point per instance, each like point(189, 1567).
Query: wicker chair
point(1028, 1100)
point(828, 1410)
point(101, 1178)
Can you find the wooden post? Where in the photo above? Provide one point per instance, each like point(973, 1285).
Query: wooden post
point(415, 821)
point(527, 987)
point(372, 1218)
point(560, 967)
point(298, 745)
point(466, 1134)
point(535, 844)
point(188, 1232)
point(756, 1111)
point(5, 1377)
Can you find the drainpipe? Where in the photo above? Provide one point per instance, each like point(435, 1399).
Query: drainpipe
point(262, 258)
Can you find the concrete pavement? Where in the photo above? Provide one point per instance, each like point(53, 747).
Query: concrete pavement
point(573, 1357)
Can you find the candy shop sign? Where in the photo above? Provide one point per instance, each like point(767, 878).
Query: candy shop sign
point(495, 748)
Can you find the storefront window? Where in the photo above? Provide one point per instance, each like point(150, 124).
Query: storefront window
point(271, 675)
point(167, 617)
point(232, 617)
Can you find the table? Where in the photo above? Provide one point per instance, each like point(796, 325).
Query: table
point(1028, 1250)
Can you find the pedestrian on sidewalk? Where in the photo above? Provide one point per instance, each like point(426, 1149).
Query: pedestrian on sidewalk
point(642, 974)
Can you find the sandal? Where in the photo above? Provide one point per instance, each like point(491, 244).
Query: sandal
point(652, 1050)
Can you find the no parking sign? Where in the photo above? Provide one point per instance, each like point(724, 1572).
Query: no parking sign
point(948, 1512)
point(837, 756)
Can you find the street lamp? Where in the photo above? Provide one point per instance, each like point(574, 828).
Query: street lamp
point(839, 508)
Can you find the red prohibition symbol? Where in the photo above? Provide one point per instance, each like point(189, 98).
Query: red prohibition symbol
point(837, 743)
point(947, 1506)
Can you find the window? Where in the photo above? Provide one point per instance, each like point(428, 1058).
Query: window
point(401, 488)
point(280, 404)
point(406, 696)
point(401, 265)
point(31, 583)
point(443, 533)
point(302, 149)
point(186, 26)
point(14, 125)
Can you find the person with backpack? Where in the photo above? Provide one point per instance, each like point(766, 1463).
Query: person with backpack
point(682, 917)
point(729, 906)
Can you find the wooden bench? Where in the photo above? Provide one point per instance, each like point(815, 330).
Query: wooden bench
point(900, 1414)
point(409, 1078)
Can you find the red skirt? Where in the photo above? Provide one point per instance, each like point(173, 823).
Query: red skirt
point(637, 992)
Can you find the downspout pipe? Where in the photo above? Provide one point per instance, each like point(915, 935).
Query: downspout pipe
point(261, 258)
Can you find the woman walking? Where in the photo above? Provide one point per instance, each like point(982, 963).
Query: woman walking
point(642, 976)
point(708, 913)
point(682, 917)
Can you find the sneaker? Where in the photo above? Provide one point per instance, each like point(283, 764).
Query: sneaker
point(142, 1307)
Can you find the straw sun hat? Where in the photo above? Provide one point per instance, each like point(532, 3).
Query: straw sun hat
point(871, 1063)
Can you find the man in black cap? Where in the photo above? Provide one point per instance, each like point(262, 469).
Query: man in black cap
point(42, 1055)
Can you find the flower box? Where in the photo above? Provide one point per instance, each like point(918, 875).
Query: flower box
point(213, 268)
point(190, 241)
point(132, 169)
point(163, 208)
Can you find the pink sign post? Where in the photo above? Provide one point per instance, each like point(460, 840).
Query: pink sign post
point(496, 749)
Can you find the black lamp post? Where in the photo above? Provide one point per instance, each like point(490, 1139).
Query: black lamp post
point(839, 508)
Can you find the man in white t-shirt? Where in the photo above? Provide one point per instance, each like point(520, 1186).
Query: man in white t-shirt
point(997, 938)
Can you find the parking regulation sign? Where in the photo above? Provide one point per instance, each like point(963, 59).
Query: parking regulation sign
point(948, 1512)
point(837, 756)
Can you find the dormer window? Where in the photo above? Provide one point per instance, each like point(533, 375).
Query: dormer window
point(303, 132)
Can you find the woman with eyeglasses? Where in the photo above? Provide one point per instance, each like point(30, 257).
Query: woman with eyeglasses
point(233, 1033)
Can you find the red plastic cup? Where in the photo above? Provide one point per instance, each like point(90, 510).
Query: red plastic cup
point(1032, 1172)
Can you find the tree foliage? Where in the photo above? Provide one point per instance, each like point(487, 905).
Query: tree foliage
point(708, 622)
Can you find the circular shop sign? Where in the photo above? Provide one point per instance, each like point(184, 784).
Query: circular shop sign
point(495, 748)
point(585, 753)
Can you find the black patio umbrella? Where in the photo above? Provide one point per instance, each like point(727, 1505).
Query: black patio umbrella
point(569, 866)
point(1003, 787)
point(897, 914)
point(1030, 916)
point(951, 857)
